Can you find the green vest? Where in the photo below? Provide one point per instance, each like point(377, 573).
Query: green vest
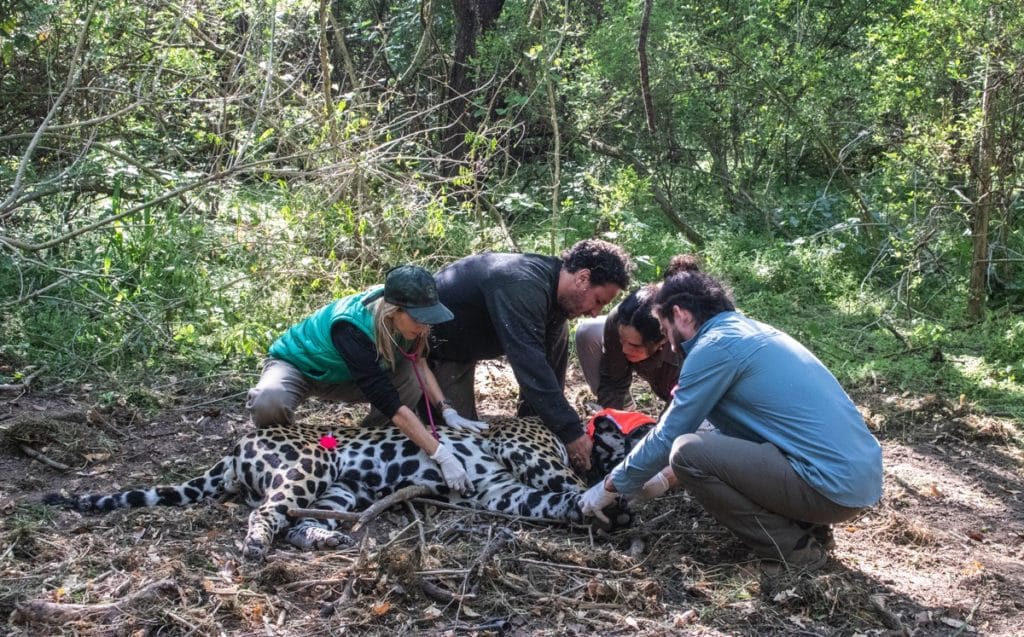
point(308, 346)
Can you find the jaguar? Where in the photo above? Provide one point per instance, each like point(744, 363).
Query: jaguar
point(516, 467)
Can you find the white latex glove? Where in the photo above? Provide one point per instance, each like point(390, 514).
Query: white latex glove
point(653, 488)
point(454, 474)
point(595, 499)
point(455, 421)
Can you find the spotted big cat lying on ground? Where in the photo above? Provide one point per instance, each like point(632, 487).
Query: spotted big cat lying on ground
point(517, 467)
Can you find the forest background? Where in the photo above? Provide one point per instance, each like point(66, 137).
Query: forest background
point(179, 181)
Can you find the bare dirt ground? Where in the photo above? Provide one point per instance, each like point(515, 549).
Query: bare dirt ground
point(943, 554)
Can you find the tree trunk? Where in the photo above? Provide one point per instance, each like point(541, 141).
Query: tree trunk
point(645, 74)
point(472, 17)
point(977, 292)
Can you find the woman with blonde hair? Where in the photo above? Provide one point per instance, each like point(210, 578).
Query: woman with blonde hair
point(367, 347)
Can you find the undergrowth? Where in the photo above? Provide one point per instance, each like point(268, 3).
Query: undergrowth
point(201, 296)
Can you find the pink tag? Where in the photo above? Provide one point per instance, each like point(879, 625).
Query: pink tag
point(328, 442)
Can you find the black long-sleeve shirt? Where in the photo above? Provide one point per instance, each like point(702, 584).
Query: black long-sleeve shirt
point(507, 304)
point(363, 362)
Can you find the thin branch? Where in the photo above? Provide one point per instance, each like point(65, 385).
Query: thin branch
point(361, 518)
point(659, 195)
point(72, 79)
point(427, 37)
point(645, 74)
point(346, 58)
point(42, 457)
point(35, 247)
point(58, 613)
point(25, 383)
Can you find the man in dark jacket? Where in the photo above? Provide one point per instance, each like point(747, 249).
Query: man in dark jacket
point(518, 305)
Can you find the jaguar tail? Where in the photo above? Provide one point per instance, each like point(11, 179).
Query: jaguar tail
point(215, 482)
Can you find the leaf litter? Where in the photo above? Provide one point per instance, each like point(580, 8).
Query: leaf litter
point(942, 554)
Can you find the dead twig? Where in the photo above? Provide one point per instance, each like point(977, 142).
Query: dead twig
point(500, 540)
point(361, 518)
point(508, 516)
point(889, 619)
point(41, 457)
point(24, 385)
point(306, 583)
point(438, 594)
point(58, 613)
point(402, 495)
point(347, 594)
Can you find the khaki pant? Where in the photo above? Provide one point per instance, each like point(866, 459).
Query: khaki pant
point(590, 349)
point(457, 378)
point(752, 490)
point(282, 388)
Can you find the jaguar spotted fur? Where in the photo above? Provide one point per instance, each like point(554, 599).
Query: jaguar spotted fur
point(517, 467)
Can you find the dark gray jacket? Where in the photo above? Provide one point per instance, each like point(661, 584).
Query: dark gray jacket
point(506, 304)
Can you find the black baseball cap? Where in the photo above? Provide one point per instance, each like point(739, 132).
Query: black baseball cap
point(413, 289)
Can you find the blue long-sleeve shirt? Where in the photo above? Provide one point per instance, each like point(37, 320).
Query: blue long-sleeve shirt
point(757, 383)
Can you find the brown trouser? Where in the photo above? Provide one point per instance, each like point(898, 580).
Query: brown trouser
point(282, 388)
point(753, 491)
point(457, 378)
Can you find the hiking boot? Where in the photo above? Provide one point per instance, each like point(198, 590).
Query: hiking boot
point(807, 556)
point(823, 534)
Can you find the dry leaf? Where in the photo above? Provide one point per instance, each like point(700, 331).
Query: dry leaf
point(684, 618)
point(976, 536)
point(380, 608)
point(431, 612)
point(935, 492)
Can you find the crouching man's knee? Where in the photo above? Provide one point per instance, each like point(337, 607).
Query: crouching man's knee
point(688, 458)
point(270, 407)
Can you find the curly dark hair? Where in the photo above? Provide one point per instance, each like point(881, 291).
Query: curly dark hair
point(700, 293)
point(682, 263)
point(607, 262)
point(636, 310)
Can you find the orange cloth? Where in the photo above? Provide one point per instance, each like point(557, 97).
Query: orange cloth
point(626, 421)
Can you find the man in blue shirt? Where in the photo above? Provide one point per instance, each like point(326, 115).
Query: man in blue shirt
point(792, 454)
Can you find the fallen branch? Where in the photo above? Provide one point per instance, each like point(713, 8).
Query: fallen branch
point(58, 613)
point(508, 516)
point(23, 386)
point(41, 457)
point(502, 538)
point(402, 495)
point(438, 594)
point(361, 518)
point(348, 593)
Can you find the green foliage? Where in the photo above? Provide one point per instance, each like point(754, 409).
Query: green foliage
point(209, 177)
